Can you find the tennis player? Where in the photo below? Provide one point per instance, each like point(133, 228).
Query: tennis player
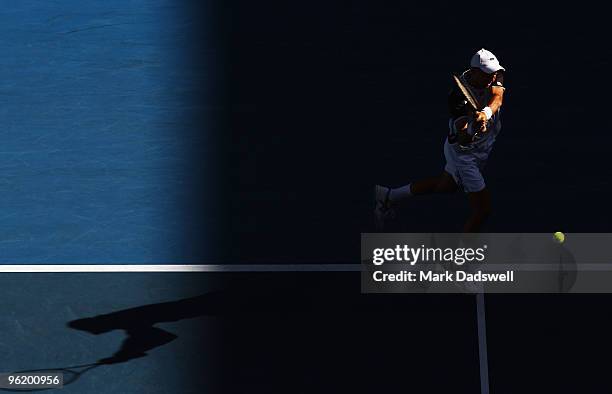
point(466, 149)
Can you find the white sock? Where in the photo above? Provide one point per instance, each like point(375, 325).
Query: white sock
point(400, 193)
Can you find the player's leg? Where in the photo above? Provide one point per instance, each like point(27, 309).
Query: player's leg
point(386, 198)
point(447, 182)
point(480, 205)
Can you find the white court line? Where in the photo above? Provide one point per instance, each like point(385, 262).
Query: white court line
point(482, 343)
point(180, 268)
point(262, 267)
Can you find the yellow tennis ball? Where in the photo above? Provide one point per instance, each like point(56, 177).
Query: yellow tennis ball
point(559, 237)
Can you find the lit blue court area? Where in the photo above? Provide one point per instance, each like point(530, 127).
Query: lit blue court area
point(102, 117)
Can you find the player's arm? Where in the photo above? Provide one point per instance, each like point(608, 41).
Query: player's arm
point(497, 98)
point(495, 102)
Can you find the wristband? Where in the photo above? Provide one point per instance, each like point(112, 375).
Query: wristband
point(488, 112)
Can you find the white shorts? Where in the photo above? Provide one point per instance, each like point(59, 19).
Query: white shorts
point(465, 168)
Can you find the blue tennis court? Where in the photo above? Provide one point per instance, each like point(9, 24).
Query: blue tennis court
point(102, 113)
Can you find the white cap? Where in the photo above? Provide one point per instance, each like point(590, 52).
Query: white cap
point(486, 61)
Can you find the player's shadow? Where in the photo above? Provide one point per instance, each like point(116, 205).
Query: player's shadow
point(139, 323)
point(143, 336)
